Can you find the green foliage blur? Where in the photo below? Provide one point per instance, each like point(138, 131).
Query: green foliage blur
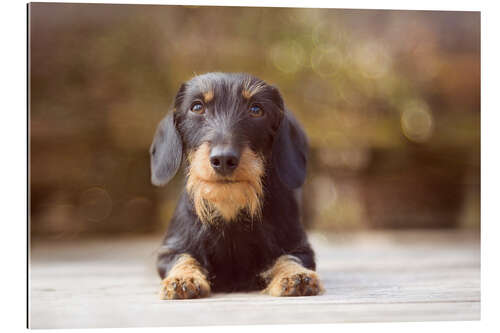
point(390, 101)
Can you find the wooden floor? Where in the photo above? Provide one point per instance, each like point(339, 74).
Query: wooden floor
point(369, 277)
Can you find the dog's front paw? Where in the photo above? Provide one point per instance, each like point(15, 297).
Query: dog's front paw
point(288, 277)
point(184, 287)
point(304, 283)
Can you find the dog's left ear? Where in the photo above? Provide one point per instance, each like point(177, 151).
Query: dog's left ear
point(166, 152)
point(290, 149)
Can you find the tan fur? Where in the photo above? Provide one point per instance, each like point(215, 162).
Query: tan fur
point(246, 94)
point(208, 96)
point(185, 280)
point(289, 278)
point(250, 89)
point(215, 196)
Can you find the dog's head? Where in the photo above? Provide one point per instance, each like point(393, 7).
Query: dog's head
point(231, 129)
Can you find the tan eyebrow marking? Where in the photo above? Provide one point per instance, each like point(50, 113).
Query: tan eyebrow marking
point(246, 94)
point(250, 89)
point(208, 96)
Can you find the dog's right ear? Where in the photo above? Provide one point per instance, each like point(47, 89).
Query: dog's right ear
point(166, 152)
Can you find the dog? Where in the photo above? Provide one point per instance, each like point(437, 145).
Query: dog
point(236, 226)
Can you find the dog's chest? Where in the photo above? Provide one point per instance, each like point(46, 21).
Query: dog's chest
point(238, 255)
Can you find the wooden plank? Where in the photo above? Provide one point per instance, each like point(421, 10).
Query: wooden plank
point(369, 277)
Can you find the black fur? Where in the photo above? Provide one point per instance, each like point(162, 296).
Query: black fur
point(166, 152)
point(290, 152)
point(235, 253)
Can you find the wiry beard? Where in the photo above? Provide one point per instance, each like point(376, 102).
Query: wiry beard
point(215, 197)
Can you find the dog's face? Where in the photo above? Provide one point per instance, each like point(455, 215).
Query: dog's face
point(230, 128)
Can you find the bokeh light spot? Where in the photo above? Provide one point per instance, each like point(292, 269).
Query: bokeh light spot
point(288, 56)
point(95, 204)
point(417, 121)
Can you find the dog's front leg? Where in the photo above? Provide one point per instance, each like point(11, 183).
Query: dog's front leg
point(186, 279)
point(287, 277)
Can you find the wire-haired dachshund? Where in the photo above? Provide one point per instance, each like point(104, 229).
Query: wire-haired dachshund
point(236, 226)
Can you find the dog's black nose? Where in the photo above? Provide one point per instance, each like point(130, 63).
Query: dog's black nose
point(224, 159)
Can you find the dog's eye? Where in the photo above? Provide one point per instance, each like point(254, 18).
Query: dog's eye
point(198, 108)
point(256, 111)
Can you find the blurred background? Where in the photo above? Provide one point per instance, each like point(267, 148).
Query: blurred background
point(389, 99)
